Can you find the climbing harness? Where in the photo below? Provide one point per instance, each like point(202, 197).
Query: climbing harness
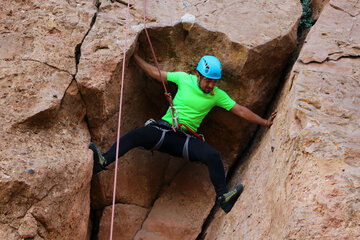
point(199, 136)
point(165, 127)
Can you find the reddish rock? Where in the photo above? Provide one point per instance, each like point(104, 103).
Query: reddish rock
point(45, 164)
point(34, 96)
point(45, 175)
point(302, 180)
point(316, 7)
point(127, 221)
point(182, 208)
point(139, 179)
point(243, 48)
point(339, 42)
point(44, 31)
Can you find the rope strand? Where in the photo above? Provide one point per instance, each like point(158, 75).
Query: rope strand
point(173, 110)
point(119, 121)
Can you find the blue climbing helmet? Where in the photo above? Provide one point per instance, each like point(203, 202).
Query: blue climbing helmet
point(210, 67)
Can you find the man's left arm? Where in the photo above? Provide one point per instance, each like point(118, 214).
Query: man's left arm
point(247, 114)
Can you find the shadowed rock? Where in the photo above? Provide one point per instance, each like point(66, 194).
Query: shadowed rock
point(303, 177)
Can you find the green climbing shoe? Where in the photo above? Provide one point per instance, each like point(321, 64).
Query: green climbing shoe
point(99, 160)
point(228, 200)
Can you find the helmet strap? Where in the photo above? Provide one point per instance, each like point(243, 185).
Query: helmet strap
point(199, 81)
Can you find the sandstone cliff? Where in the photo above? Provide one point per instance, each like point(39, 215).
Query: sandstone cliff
point(60, 82)
point(302, 177)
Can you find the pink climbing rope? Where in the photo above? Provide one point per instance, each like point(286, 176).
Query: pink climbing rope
point(119, 121)
point(173, 110)
point(167, 94)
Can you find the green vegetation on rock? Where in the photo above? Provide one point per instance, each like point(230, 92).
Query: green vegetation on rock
point(306, 20)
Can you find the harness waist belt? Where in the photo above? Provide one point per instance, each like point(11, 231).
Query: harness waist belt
point(166, 127)
point(188, 131)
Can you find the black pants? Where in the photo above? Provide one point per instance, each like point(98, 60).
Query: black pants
point(198, 150)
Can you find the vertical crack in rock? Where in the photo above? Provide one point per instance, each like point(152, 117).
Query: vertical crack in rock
point(78, 47)
point(78, 51)
point(93, 216)
point(260, 131)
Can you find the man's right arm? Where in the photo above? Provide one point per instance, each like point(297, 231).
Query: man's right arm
point(149, 69)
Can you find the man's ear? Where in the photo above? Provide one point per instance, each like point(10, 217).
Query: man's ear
point(198, 76)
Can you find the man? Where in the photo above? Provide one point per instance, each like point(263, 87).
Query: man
point(196, 96)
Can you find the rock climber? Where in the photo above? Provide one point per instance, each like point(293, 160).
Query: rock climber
point(196, 96)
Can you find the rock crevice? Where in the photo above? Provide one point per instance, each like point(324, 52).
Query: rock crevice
point(244, 56)
point(78, 46)
point(301, 175)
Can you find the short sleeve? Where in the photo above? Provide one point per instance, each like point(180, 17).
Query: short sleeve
point(224, 100)
point(176, 77)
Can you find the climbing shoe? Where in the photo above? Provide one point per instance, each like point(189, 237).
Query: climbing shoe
point(228, 200)
point(99, 160)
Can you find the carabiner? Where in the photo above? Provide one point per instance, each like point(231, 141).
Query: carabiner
point(175, 116)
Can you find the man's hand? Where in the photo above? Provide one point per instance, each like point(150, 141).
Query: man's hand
point(247, 114)
point(149, 69)
point(269, 122)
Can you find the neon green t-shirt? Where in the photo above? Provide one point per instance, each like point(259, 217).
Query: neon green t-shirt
point(192, 103)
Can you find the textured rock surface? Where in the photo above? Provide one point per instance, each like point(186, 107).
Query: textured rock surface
point(253, 46)
point(45, 175)
point(46, 32)
point(127, 221)
point(45, 167)
point(245, 51)
point(139, 180)
point(316, 7)
point(46, 170)
point(303, 179)
point(183, 206)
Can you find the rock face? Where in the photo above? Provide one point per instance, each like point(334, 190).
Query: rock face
point(45, 167)
point(127, 221)
point(180, 210)
point(253, 46)
point(302, 180)
point(61, 63)
point(316, 7)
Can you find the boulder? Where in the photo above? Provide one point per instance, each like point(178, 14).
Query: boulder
point(302, 179)
point(180, 211)
point(45, 174)
point(127, 221)
point(46, 167)
point(139, 179)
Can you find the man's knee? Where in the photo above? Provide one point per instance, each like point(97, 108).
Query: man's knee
point(211, 156)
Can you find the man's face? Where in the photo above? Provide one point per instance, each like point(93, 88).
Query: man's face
point(207, 84)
